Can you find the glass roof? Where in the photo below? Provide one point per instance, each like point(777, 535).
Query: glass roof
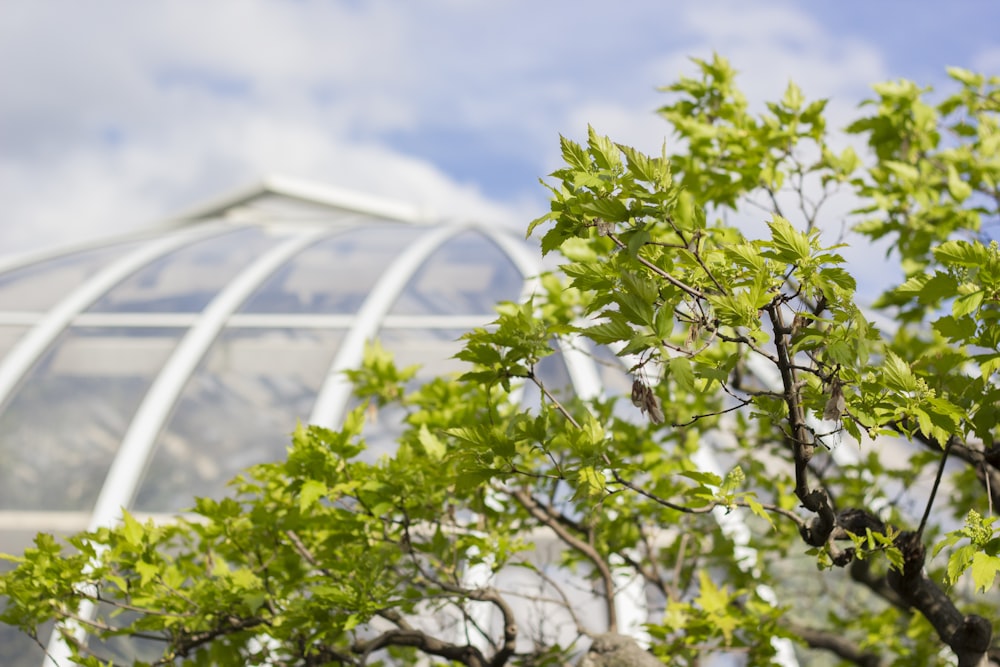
point(38, 286)
point(150, 370)
point(147, 371)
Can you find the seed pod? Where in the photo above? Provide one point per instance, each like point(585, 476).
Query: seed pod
point(638, 393)
point(836, 404)
point(644, 399)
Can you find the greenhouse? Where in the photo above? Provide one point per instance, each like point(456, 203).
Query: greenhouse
point(147, 370)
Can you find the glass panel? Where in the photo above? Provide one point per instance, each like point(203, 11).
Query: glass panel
point(432, 350)
point(185, 281)
point(60, 431)
point(467, 275)
point(334, 276)
point(9, 337)
point(38, 286)
point(237, 410)
point(614, 378)
point(18, 649)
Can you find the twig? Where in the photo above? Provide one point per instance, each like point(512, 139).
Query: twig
point(551, 519)
point(937, 481)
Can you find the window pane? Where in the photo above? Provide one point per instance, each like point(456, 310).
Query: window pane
point(467, 275)
point(432, 350)
point(38, 286)
point(334, 276)
point(185, 281)
point(59, 433)
point(9, 337)
point(238, 409)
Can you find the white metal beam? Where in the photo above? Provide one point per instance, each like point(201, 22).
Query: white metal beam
point(33, 344)
point(336, 390)
point(133, 453)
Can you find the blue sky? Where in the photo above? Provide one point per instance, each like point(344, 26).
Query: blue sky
point(116, 113)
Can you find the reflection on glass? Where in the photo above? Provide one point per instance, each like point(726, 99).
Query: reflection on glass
point(59, 433)
point(18, 649)
point(238, 409)
point(38, 286)
point(467, 275)
point(431, 349)
point(613, 371)
point(185, 280)
point(9, 337)
point(334, 276)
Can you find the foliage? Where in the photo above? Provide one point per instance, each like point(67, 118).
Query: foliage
point(771, 427)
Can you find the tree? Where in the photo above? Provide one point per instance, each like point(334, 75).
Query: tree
point(773, 429)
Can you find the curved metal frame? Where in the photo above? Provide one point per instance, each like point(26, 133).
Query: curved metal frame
point(336, 389)
point(19, 360)
point(130, 461)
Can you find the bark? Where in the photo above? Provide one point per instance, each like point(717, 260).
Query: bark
point(968, 636)
point(615, 650)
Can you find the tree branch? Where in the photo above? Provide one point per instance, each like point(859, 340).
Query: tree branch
point(837, 644)
point(551, 519)
point(816, 501)
point(968, 636)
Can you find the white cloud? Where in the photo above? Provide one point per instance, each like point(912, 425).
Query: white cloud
point(119, 112)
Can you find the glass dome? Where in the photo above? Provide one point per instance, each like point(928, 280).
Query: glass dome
point(142, 372)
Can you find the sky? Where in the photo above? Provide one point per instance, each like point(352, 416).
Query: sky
point(115, 114)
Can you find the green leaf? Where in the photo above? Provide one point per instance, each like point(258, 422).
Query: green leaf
point(758, 509)
point(956, 329)
point(793, 99)
point(682, 373)
point(959, 189)
point(432, 445)
point(615, 329)
point(967, 304)
point(147, 571)
point(747, 256)
point(312, 490)
point(132, 530)
point(706, 478)
point(573, 154)
point(897, 373)
point(591, 482)
point(636, 241)
point(611, 210)
point(789, 244)
point(988, 367)
point(984, 570)
point(961, 253)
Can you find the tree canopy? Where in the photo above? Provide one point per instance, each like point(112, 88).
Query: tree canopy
point(781, 467)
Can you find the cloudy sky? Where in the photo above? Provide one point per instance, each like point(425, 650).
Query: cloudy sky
point(115, 113)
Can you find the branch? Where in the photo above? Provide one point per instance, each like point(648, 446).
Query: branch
point(985, 463)
point(937, 481)
point(861, 572)
point(551, 519)
point(467, 655)
point(836, 644)
point(816, 501)
point(968, 636)
point(696, 293)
